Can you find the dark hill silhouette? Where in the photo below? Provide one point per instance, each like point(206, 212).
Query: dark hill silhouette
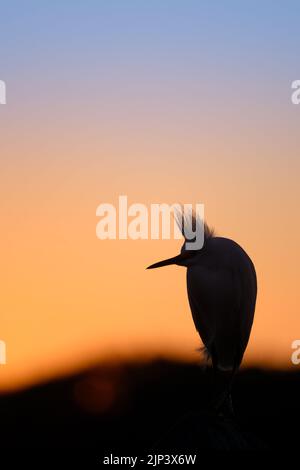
point(151, 406)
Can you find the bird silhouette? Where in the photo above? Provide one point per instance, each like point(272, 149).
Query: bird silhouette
point(222, 289)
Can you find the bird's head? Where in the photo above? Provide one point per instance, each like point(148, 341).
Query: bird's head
point(187, 257)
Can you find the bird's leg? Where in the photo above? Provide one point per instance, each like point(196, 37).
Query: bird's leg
point(221, 402)
point(226, 409)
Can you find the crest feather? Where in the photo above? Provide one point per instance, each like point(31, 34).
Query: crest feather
point(190, 219)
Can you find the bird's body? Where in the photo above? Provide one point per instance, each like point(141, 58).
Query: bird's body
point(221, 285)
point(222, 288)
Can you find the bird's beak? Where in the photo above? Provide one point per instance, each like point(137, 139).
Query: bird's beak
point(166, 262)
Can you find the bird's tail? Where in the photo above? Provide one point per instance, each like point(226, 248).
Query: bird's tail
point(205, 357)
point(205, 353)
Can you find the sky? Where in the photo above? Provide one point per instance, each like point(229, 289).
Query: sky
point(162, 101)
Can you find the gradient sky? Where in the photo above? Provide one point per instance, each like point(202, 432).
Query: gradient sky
point(164, 101)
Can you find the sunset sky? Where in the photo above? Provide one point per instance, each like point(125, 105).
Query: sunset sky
point(162, 101)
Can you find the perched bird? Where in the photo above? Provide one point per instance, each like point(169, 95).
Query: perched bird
point(222, 288)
